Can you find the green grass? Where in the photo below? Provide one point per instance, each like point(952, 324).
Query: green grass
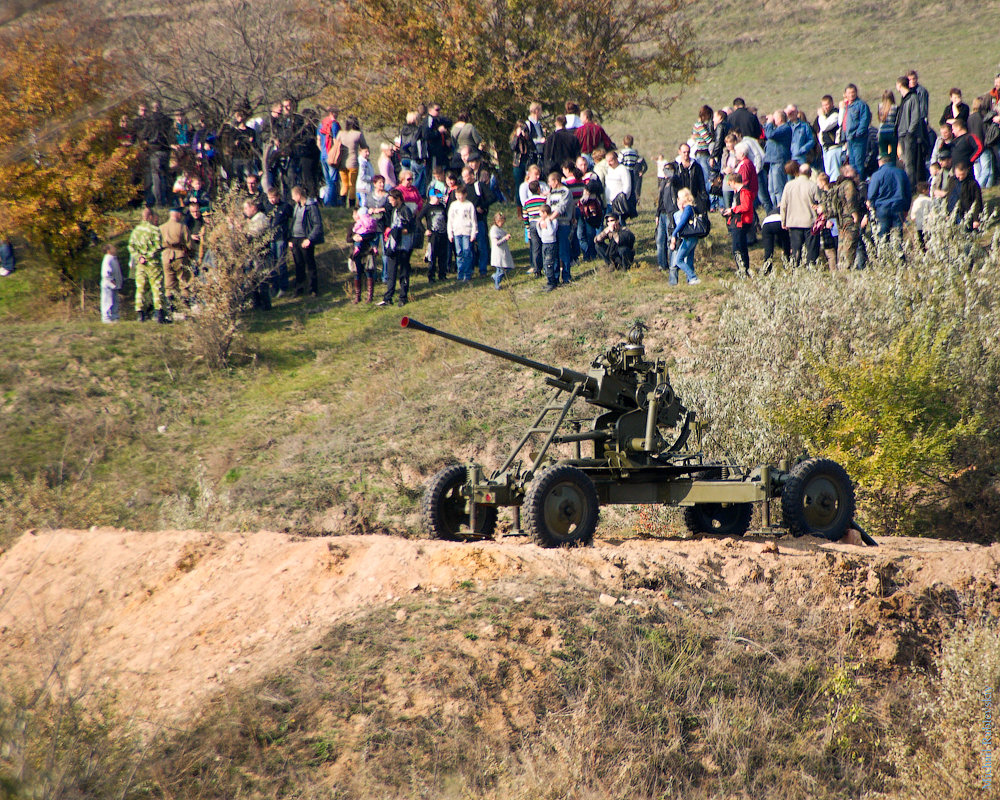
point(333, 412)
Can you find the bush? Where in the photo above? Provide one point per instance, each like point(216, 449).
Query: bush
point(894, 422)
point(235, 266)
point(949, 756)
point(851, 364)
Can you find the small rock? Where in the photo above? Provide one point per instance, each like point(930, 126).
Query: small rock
point(518, 599)
point(401, 615)
point(853, 536)
point(678, 603)
point(607, 600)
point(769, 547)
point(161, 428)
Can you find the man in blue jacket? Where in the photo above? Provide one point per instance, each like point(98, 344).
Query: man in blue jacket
point(803, 138)
point(777, 151)
point(889, 195)
point(856, 118)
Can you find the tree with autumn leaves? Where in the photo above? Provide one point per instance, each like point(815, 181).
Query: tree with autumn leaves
point(493, 57)
point(63, 171)
point(62, 168)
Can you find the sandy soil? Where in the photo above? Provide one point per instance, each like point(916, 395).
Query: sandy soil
point(166, 619)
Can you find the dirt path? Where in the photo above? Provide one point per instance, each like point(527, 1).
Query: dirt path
point(168, 618)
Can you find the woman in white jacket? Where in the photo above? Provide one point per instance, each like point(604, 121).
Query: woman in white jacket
point(461, 231)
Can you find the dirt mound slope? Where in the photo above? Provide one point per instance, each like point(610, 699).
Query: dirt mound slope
point(166, 619)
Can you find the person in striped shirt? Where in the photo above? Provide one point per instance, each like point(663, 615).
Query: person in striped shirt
point(701, 135)
point(635, 164)
point(531, 209)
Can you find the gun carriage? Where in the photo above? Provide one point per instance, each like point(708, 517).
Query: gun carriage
point(641, 437)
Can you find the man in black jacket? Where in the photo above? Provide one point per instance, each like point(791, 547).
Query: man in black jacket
point(910, 132)
point(306, 233)
point(279, 218)
point(966, 198)
point(435, 133)
point(479, 194)
point(743, 121)
point(560, 147)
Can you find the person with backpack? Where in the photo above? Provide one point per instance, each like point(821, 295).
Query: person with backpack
point(684, 239)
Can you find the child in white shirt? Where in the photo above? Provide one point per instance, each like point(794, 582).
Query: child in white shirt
point(111, 284)
point(548, 226)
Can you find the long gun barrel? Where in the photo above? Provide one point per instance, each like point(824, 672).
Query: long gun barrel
point(561, 374)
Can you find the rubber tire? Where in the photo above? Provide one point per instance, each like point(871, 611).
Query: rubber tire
point(807, 480)
point(733, 518)
point(443, 508)
point(543, 496)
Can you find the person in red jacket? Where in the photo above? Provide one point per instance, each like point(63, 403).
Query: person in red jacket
point(740, 219)
point(591, 135)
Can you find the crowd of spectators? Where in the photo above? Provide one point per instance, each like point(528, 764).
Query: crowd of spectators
point(812, 189)
point(806, 189)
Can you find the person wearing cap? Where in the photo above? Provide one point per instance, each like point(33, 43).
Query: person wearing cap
point(615, 244)
point(176, 247)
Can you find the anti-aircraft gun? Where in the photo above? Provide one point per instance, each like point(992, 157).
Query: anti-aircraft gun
point(642, 454)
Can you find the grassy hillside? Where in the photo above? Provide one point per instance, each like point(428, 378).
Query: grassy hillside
point(331, 423)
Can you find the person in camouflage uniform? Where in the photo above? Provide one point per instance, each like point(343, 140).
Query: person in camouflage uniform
point(845, 202)
point(145, 245)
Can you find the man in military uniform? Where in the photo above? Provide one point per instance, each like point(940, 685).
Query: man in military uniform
point(144, 246)
point(845, 200)
point(176, 242)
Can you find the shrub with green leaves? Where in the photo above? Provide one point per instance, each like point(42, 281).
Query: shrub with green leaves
point(892, 370)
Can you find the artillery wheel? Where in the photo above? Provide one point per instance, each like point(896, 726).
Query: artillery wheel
point(719, 519)
point(818, 498)
point(443, 508)
point(561, 507)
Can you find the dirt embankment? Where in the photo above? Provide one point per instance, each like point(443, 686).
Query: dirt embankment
point(166, 619)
